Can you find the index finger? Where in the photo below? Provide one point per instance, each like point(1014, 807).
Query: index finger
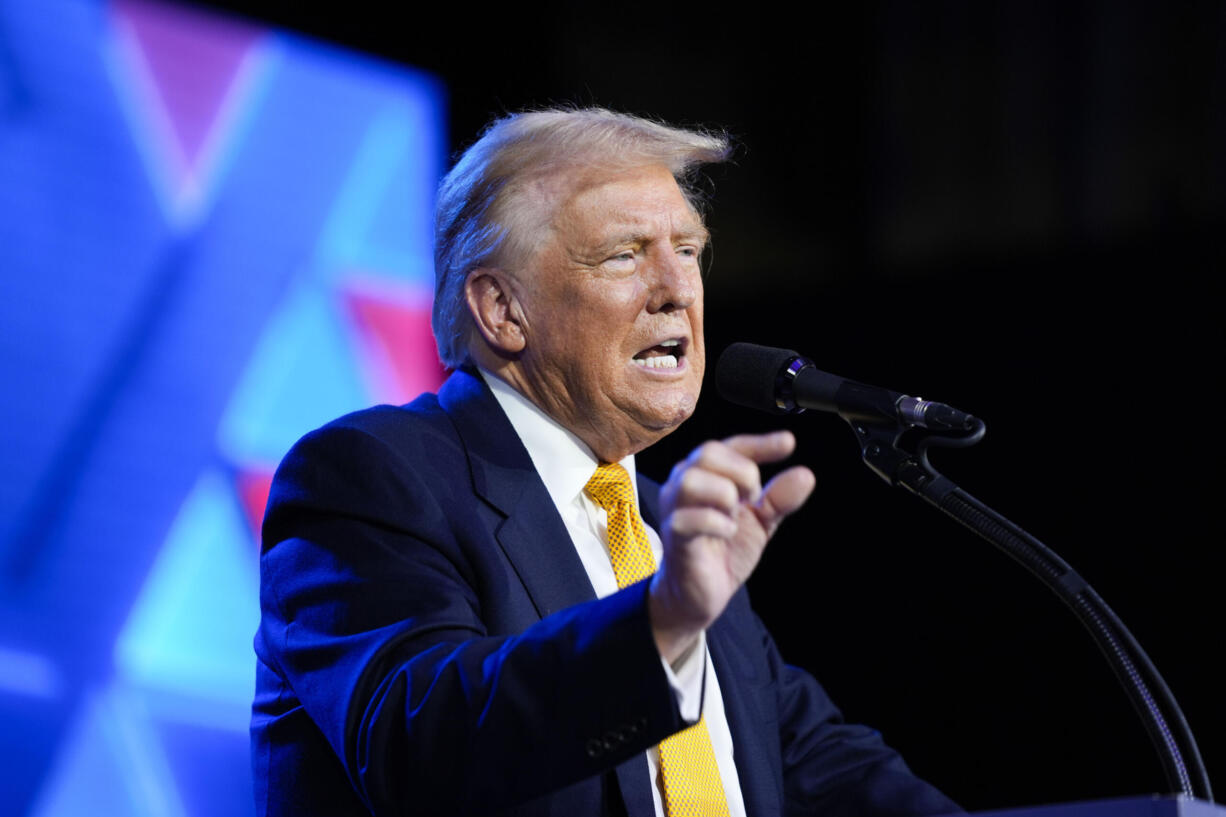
point(760, 448)
point(717, 459)
point(737, 459)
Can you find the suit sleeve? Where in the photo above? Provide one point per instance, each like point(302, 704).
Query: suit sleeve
point(373, 621)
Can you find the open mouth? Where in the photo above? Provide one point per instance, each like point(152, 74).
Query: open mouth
point(664, 355)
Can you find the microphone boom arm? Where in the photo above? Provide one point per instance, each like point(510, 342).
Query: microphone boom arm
point(895, 432)
point(899, 455)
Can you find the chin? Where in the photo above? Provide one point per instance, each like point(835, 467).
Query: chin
point(673, 416)
point(655, 419)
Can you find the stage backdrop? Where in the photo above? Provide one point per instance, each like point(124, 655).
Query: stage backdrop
point(213, 237)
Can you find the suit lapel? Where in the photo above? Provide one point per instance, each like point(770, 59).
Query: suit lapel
point(531, 534)
point(634, 775)
point(634, 780)
point(746, 716)
point(649, 500)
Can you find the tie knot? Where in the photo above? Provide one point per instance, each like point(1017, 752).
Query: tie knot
point(610, 486)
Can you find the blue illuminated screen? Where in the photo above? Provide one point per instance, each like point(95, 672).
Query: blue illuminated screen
point(213, 238)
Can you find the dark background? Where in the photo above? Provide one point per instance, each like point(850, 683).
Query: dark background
point(1015, 208)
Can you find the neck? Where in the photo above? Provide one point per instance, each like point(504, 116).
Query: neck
point(610, 443)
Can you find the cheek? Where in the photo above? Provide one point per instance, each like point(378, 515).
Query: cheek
point(609, 315)
point(625, 298)
point(698, 361)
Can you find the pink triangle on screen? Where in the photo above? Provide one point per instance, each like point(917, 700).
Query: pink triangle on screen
point(253, 485)
point(398, 338)
point(192, 58)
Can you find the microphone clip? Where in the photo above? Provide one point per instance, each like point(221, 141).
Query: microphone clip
point(899, 454)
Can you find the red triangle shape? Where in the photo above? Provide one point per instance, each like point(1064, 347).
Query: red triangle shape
point(192, 58)
point(253, 486)
point(398, 343)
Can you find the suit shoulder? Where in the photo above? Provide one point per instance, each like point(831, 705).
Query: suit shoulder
point(415, 431)
point(380, 455)
point(423, 415)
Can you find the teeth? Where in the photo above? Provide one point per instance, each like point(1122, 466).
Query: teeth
point(661, 362)
point(671, 343)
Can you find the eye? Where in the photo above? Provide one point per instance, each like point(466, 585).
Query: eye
point(622, 261)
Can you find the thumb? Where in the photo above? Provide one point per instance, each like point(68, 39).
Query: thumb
point(784, 495)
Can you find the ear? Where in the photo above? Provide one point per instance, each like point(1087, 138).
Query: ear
point(495, 310)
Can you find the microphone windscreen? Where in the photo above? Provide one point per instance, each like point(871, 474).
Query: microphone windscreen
point(747, 374)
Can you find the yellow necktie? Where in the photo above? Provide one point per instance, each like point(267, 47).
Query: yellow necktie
point(689, 774)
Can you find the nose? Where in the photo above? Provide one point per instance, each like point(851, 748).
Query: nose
point(676, 282)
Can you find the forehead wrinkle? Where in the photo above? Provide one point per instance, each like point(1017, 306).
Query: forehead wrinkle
point(587, 227)
point(626, 228)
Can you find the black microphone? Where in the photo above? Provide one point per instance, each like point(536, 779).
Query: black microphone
point(782, 381)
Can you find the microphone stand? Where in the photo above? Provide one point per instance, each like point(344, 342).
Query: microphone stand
point(899, 455)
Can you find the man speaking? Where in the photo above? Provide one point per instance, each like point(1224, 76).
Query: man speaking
point(473, 604)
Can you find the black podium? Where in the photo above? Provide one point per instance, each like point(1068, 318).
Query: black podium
point(1153, 806)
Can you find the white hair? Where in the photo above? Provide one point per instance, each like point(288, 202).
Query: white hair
point(497, 201)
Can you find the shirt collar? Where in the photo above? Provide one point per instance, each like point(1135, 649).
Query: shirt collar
point(563, 461)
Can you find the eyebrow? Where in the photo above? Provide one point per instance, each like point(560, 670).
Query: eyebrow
point(696, 233)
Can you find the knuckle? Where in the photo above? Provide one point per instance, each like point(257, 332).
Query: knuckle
point(692, 480)
point(709, 451)
point(717, 522)
point(692, 522)
point(679, 524)
point(726, 495)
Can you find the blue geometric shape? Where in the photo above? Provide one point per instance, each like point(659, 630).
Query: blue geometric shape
point(28, 673)
point(207, 765)
point(191, 627)
point(125, 569)
point(71, 206)
point(33, 734)
point(380, 223)
point(302, 374)
point(111, 764)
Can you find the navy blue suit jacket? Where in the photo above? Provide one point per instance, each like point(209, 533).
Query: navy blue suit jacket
point(430, 644)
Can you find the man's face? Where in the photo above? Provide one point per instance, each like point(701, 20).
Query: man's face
point(612, 307)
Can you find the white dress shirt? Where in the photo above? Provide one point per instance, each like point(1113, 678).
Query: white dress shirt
point(565, 464)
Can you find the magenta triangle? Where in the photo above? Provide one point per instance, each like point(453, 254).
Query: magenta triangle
point(397, 335)
point(192, 58)
point(253, 485)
